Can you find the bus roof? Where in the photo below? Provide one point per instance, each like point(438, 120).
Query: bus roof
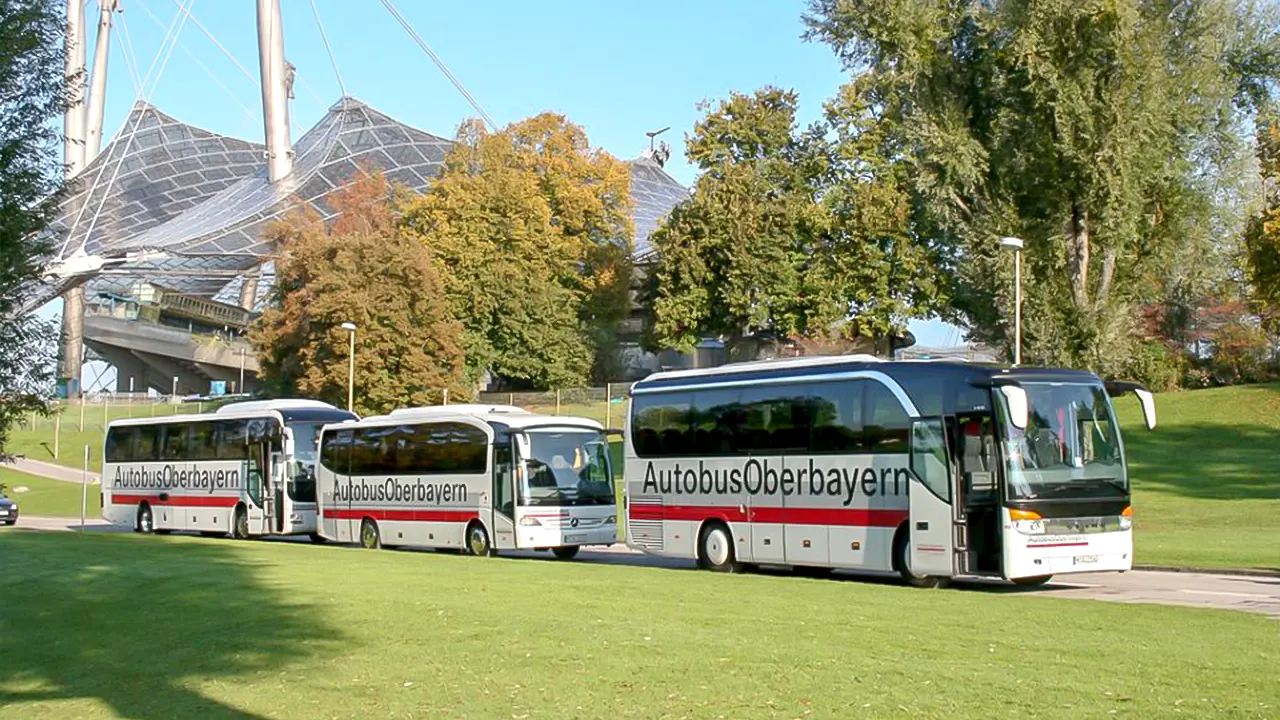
point(318, 413)
point(816, 367)
point(506, 415)
point(281, 404)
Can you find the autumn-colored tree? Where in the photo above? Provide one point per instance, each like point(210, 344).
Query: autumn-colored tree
point(531, 228)
point(361, 269)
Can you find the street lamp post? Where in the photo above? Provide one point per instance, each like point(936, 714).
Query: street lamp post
point(1015, 244)
point(240, 387)
point(351, 364)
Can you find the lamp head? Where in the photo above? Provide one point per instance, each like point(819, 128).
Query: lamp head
point(1012, 243)
point(349, 327)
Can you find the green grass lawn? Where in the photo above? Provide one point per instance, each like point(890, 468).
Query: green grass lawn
point(53, 498)
point(1206, 481)
point(144, 627)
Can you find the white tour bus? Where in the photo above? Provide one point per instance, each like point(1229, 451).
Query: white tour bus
point(930, 469)
point(246, 469)
point(478, 478)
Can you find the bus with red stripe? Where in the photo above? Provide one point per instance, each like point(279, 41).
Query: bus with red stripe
point(247, 469)
point(475, 478)
point(929, 469)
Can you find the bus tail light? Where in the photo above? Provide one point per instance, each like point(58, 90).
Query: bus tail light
point(1126, 518)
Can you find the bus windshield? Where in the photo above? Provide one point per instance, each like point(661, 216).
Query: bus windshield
point(302, 466)
point(1070, 448)
point(567, 467)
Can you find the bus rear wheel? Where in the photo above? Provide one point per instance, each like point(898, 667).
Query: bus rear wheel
point(1036, 581)
point(478, 540)
point(566, 552)
point(240, 524)
point(715, 549)
point(146, 523)
point(370, 538)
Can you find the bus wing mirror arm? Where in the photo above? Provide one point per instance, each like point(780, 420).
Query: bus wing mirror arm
point(1148, 406)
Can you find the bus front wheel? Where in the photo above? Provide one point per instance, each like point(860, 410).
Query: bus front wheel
point(566, 552)
point(478, 540)
point(240, 524)
point(902, 563)
point(370, 538)
point(146, 521)
point(715, 549)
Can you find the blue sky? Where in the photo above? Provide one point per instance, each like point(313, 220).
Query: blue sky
point(618, 69)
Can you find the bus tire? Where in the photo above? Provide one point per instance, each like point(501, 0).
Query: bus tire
point(146, 522)
point(715, 549)
point(478, 539)
point(370, 538)
point(902, 563)
point(318, 539)
point(1036, 581)
point(240, 524)
point(566, 552)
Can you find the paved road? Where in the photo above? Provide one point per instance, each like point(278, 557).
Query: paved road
point(50, 470)
point(1259, 595)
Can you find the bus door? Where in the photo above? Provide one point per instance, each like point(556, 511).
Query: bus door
point(276, 472)
point(932, 525)
point(261, 473)
point(503, 503)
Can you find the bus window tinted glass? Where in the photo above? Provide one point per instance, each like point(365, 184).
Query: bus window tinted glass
point(204, 441)
point(146, 445)
point(837, 418)
point(660, 425)
point(887, 423)
point(119, 446)
point(335, 451)
point(716, 420)
point(233, 443)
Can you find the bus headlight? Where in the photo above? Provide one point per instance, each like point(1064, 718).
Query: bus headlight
point(611, 520)
point(530, 522)
point(1029, 527)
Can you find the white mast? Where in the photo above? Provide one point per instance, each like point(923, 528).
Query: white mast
point(71, 347)
point(276, 80)
point(98, 86)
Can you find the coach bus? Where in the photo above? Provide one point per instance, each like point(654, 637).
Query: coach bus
point(247, 469)
point(475, 478)
point(930, 469)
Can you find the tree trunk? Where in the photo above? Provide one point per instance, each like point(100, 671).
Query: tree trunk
point(1108, 274)
point(1078, 256)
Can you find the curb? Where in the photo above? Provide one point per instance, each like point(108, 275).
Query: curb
point(1241, 572)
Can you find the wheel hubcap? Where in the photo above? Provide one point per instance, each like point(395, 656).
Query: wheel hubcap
point(478, 542)
point(369, 539)
point(717, 547)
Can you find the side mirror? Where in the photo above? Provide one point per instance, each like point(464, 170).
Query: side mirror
point(1016, 399)
point(1148, 406)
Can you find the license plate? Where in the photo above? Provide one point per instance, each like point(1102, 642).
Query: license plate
point(1084, 559)
point(572, 538)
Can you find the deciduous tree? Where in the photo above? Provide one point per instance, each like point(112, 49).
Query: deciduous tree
point(364, 270)
point(33, 89)
point(785, 234)
point(531, 228)
point(1093, 129)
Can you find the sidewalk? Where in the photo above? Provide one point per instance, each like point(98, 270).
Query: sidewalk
point(52, 471)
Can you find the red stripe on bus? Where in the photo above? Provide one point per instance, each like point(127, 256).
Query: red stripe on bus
point(177, 500)
point(1070, 544)
point(848, 517)
point(456, 516)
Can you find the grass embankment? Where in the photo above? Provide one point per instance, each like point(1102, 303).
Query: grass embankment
point(1206, 481)
point(52, 498)
point(144, 627)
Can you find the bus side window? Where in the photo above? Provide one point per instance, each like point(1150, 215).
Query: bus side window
point(887, 424)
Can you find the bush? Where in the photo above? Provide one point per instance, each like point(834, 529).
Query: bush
point(1156, 365)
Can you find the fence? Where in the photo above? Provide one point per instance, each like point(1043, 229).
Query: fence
point(607, 405)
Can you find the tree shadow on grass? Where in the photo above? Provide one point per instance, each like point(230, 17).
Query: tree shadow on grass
point(132, 622)
point(1207, 461)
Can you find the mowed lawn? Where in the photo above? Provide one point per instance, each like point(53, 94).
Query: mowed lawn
point(53, 498)
point(1206, 481)
point(145, 627)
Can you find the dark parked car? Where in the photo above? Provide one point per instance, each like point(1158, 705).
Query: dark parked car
point(8, 510)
